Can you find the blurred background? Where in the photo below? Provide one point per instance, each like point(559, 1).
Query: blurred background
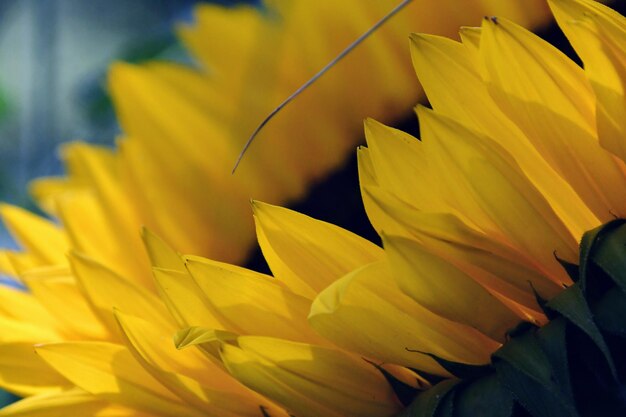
point(53, 60)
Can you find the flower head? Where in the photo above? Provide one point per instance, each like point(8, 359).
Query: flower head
point(476, 212)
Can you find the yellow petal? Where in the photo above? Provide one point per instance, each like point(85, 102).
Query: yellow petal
point(169, 182)
point(550, 100)
point(24, 373)
point(401, 166)
point(367, 313)
point(470, 36)
point(188, 373)
point(486, 188)
point(100, 169)
point(451, 79)
point(425, 277)
point(304, 378)
point(6, 265)
point(106, 290)
point(75, 402)
point(253, 304)
point(110, 372)
point(308, 254)
point(160, 253)
point(208, 340)
point(46, 190)
point(598, 33)
point(39, 236)
point(26, 320)
point(83, 217)
point(496, 266)
point(184, 299)
point(549, 77)
point(57, 291)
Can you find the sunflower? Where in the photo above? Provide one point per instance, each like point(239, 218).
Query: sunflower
point(103, 324)
point(526, 196)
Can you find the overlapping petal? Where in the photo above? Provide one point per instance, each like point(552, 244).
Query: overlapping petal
point(477, 209)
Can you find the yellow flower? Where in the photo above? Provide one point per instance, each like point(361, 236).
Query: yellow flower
point(477, 218)
point(103, 324)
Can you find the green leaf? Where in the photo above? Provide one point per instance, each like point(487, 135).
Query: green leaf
point(427, 402)
point(572, 305)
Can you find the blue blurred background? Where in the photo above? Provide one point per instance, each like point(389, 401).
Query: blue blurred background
point(53, 60)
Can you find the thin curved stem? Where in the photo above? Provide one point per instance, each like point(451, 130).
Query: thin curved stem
point(307, 84)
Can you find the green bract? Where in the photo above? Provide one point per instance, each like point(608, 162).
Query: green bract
point(572, 366)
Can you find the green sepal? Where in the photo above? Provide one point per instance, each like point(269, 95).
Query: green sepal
point(447, 407)
point(458, 369)
point(561, 369)
point(428, 402)
point(543, 305)
point(610, 312)
point(610, 256)
point(538, 400)
point(552, 339)
point(572, 269)
point(572, 305)
point(588, 245)
point(523, 367)
point(484, 397)
point(522, 328)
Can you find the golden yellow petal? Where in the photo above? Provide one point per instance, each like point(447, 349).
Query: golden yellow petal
point(106, 210)
point(551, 101)
point(424, 277)
point(160, 253)
point(56, 290)
point(254, 305)
point(367, 313)
point(185, 300)
point(496, 266)
point(40, 237)
point(74, 401)
point(25, 318)
point(451, 79)
point(106, 290)
point(485, 188)
point(307, 253)
point(304, 378)
point(24, 373)
point(110, 372)
point(188, 373)
point(597, 33)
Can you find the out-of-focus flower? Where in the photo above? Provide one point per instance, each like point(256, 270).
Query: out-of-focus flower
point(478, 220)
point(103, 332)
point(183, 127)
